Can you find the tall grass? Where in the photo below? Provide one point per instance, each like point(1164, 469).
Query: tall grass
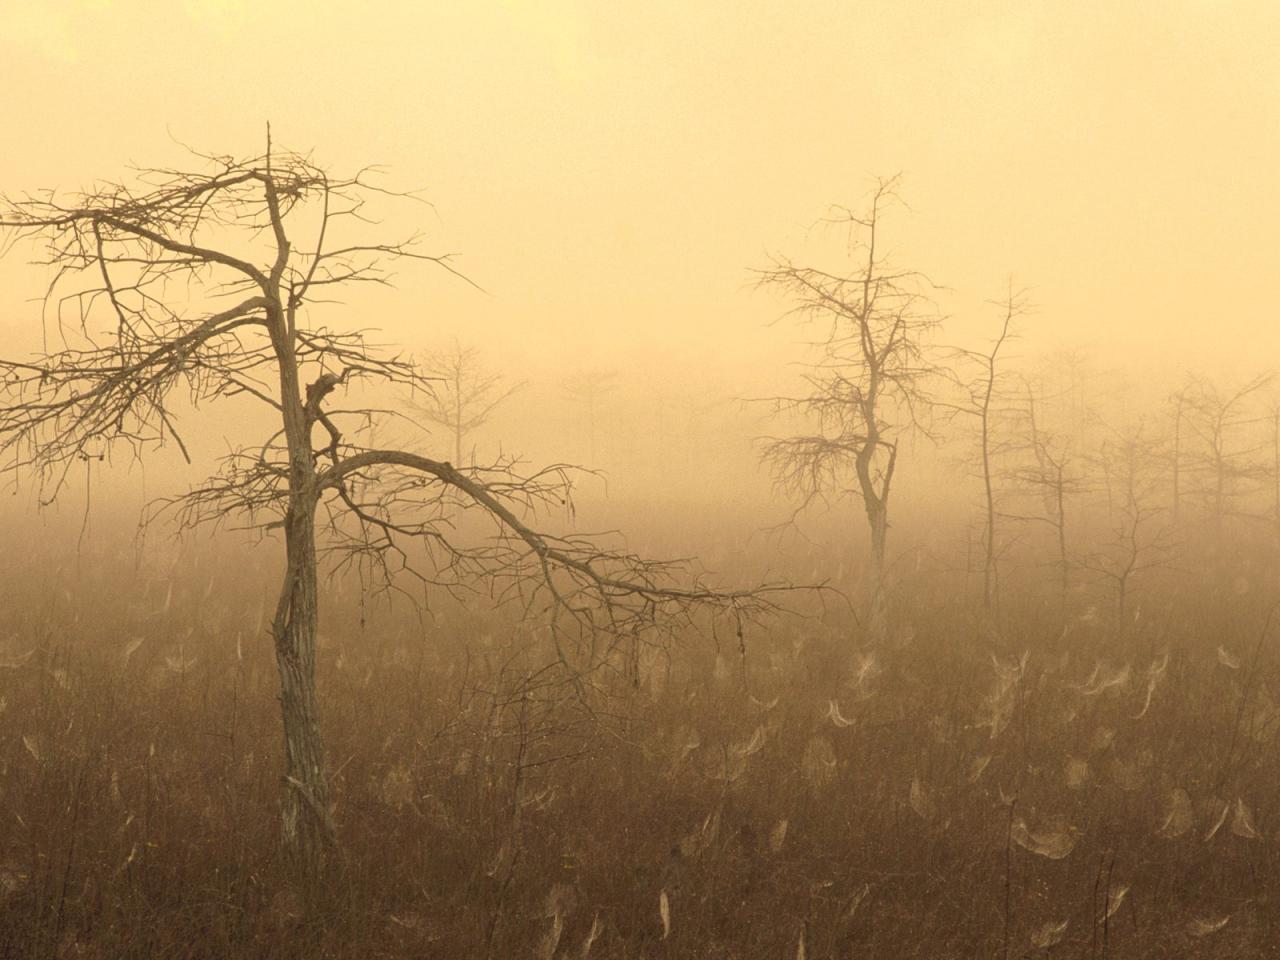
point(1078, 792)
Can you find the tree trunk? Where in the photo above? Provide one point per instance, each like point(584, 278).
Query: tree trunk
point(306, 817)
point(989, 581)
point(877, 607)
point(876, 504)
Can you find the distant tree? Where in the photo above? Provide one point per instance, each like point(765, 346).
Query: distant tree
point(1226, 458)
point(589, 389)
point(1050, 472)
point(1140, 537)
point(1069, 392)
point(980, 403)
point(462, 394)
point(866, 387)
point(201, 286)
point(1179, 400)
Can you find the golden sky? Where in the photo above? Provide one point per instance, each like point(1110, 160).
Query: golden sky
point(609, 171)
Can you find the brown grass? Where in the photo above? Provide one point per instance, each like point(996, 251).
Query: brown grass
point(484, 814)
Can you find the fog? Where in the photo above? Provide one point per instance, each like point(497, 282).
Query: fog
point(855, 531)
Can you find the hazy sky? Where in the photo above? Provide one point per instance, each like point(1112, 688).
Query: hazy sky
point(609, 171)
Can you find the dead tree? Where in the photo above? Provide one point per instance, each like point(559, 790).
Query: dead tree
point(981, 404)
point(1225, 459)
point(866, 386)
point(463, 395)
point(589, 389)
point(1051, 474)
point(1180, 402)
point(185, 287)
point(1140, 537)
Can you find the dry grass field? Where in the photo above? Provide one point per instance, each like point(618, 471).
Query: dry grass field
point(953, 793)
point(555, 480)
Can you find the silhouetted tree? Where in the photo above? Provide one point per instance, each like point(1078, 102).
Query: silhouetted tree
point(1140, 538)
point(1054, 477)
point(1179, 400)
point(981, 404)
point(589, 389)
point(1226, 457)
point(201, 286)
point(462, 395)
point(865, 388)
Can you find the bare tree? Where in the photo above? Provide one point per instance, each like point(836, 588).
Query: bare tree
point(1225, 459)
point(1141, 536)
point(866, 386)
point(1180, 400)
point(981, 403)
point(1054, 478)
point(463, 395)
point(589, 389)
point(196, 286)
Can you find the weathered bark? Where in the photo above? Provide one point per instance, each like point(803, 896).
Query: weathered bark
point(306, 819)
point(875, 501)
point(306, 816)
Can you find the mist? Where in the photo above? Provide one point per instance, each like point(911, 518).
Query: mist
point(558, 480)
